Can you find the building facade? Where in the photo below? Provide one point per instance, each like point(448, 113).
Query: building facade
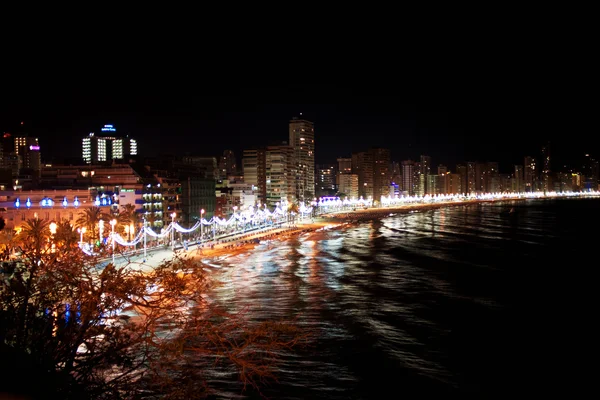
point(530, 174)
point(407, 177)
point(326, 180)
point(348, 185)
point(302, 140)
point(107, 146)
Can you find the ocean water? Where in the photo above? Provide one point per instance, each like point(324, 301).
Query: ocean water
point(461, 301)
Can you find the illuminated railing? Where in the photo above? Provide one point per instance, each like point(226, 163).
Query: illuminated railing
point(256, 216)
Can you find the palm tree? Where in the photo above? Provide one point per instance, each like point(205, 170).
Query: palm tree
point(292, 208)
point(89, 219)
point(34, 234)
point(127, 215)
point(65, 235)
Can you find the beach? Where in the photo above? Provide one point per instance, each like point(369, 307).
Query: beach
point(337, 220)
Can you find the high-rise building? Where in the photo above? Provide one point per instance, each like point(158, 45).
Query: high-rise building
point(381, 172)
point(407, 177)
point(326, 180)
point(491, 182)
point(518, 182)
point(529, 174)
point(455, 183)
point(279, 174)
point(344, 165)
point(302, 140)
point(471, 177)
point(28, 150)
point(396, 177)
point(418, 181)
point(362, 165)
point(546, 175)
point(227, 164)
point(461, 170)
point(254, 165)
point(348, 185)
point(443, 180)
point(107, 146)
point(425, 171)
point(590, 173)
point(480, 177)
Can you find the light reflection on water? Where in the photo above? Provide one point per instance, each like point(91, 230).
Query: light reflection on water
point(393, 302)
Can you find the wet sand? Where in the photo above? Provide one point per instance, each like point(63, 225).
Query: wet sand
point(329, 221)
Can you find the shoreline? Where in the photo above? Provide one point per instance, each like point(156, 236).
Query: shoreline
point(330, 221)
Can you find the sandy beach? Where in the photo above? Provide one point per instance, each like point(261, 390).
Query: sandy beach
point(337, 220)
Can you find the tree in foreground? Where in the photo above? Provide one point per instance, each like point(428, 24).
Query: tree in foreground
point(97, 330)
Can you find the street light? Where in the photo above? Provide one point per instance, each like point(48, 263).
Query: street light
point(201, 235)
point(81, 232)
point(144, 228)
point(234, 210)
point(100, 229)
point(113, 222)
point(172, 231)
point(53, 228)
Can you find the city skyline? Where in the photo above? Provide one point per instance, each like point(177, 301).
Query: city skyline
point(192, 123)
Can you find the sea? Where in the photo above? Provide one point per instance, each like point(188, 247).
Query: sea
point(473, 301)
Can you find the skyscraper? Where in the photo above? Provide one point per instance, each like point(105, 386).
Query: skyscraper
point(279, 175)
point(471, 177)
point(107, 146)
point(460, 185)
point(28, 150)
point(227, 164)
point(326, 180)
point(254, 164)
point(407, 177)
point(362, 165)
point(381, 172)
point(546, 177)
point(425, 172)
point(302, 140)
point(530, 174)
point(348, 185)
point(518, 182)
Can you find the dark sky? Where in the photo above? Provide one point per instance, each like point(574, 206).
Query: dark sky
point(452, 126)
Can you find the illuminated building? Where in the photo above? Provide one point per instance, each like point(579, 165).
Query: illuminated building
point(443, 183)
point(280, 174)
point(381, 172)
point(326, 180)
point(348, 185)
point(590, 173)
point(302, 140)
point(518, 181)
point(227, 164)
point(491, 181)
point(530, 174)
point(344, 165)
point(461, 170)
point(362, 166)
point(28, 150)
point(471, 177)
point(546, 177)
point(51, 205)
point(455, 183)
point(433, 183)
point(254, 165)
point(407, 177)
point(107, 146)
point(425, 168)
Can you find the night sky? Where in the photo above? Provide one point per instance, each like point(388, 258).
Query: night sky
point(451, 127)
